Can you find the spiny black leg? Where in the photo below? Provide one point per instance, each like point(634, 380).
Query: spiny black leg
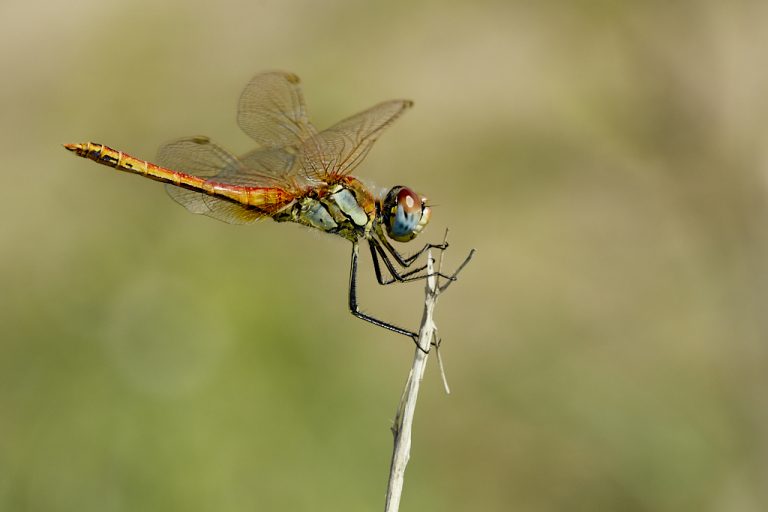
point(396, 276)
point(407, 261)
point(353, 307)
point(377, 268)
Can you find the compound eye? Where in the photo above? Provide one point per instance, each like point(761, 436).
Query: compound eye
point(405, 214)
point(409, 202)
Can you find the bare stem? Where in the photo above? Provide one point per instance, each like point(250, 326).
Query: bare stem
point(401, 429)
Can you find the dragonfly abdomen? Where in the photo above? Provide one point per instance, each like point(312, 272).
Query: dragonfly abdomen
point(125, 162)
point(267, 199)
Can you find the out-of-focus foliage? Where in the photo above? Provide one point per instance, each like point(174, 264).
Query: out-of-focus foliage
point(607, 348)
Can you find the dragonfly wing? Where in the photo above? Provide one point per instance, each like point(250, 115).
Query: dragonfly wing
point(198, 156)
point(219, 209)
point(339, 149)
point(270, 162)
point(272, 112)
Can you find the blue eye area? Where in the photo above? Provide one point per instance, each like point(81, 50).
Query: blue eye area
point(403, 222)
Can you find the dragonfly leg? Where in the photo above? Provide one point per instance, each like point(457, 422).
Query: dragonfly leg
point(406, 261)
point(355, 309)
point(377, 251)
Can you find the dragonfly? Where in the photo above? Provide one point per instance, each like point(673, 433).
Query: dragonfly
point(296, 174)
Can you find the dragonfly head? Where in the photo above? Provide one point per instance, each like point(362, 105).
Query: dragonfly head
point(405, 213)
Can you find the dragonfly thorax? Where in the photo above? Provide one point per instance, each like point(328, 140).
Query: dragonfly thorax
point(346, 209)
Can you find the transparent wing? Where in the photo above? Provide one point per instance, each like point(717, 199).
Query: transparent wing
point(219, 209)
point(339, 149)
point(198, 156)
point(274, 162)
point(272, 112)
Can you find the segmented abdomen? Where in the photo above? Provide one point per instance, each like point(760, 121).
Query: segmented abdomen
point(267, 199)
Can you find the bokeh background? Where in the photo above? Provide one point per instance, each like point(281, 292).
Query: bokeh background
point(607, 349)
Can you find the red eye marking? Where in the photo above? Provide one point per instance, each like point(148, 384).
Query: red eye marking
point(408, 200)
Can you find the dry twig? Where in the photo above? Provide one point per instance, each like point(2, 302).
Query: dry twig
point(401, 429)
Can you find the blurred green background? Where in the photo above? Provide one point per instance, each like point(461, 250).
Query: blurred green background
point(607, 348)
